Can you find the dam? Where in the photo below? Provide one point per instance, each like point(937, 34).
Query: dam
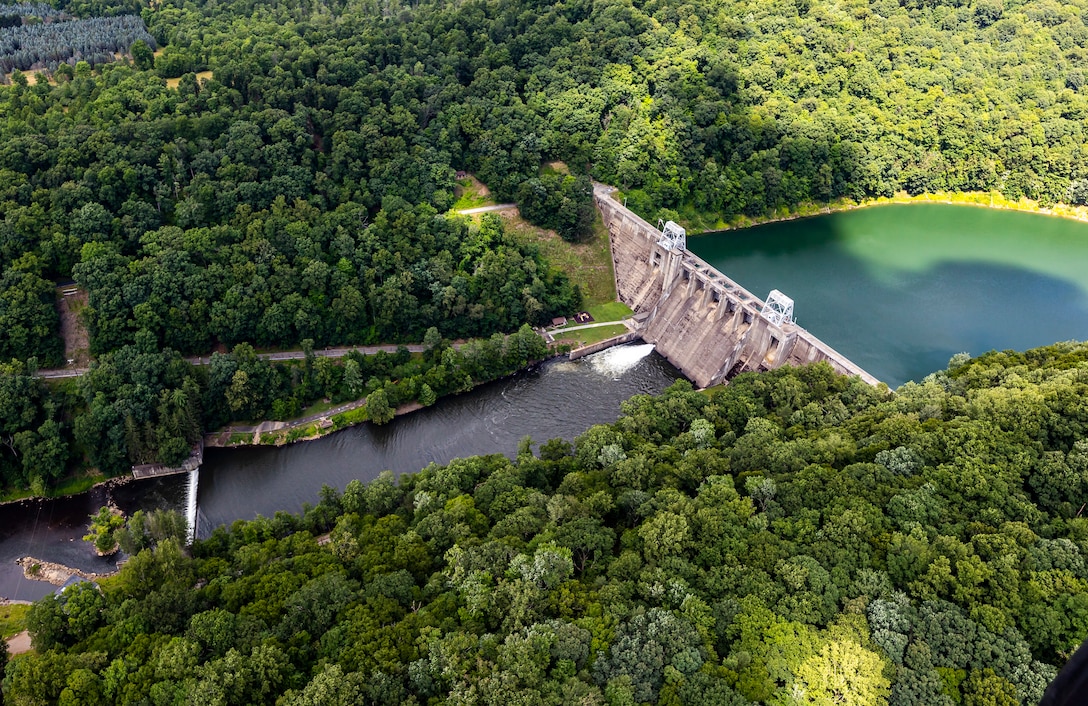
point(701, 321)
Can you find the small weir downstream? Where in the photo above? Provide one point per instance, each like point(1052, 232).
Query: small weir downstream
point(558, 398)
point(193, 487)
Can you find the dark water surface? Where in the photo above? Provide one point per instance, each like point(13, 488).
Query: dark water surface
point(52, 530)
point(900, 289)
point(557, 399)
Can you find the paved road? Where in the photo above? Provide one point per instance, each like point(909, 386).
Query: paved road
point(485, 209)
point(319, 352)
point(625, 322)
point(283, 355)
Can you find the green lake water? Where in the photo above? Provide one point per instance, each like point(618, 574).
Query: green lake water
point(900, 289)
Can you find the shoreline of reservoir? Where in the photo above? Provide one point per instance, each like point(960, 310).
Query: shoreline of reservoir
point(977, 199)
point(900, 290)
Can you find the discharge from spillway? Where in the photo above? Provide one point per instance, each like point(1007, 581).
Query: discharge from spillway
point(190, 503)
point(614, 362)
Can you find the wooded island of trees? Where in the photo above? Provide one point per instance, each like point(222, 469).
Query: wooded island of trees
point(795, 537)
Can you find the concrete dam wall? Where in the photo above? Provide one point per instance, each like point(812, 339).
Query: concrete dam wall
point(701, 321)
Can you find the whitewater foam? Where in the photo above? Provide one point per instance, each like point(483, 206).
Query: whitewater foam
point(190, 503)
point(618, 360)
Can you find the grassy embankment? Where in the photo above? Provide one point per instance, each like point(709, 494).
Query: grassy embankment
point(586, 336)
point(607, 311)
point(471, 193)
point(588, 264)
point(12, 619)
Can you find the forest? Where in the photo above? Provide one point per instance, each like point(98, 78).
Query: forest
point(794, 537)
point(279, 175)
point(97, 41)
point(142, 402)
point(293, 192)
point(139, 404)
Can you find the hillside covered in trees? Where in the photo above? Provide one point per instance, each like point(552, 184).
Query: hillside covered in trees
point(142, 405)
point(292, 194)
point(795, 537)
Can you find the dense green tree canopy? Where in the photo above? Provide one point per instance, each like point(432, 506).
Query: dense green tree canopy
point(794, 536)
point(870, 548)
point(290, 190)
point(34, 447)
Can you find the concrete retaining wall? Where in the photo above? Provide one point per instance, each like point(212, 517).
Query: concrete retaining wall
point(602, 345)
point(149, 470)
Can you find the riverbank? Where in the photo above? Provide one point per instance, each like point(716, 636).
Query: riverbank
point(698, 224)
point(80, 485)
point(54, 573)
point(292, 431)
point(315, 426)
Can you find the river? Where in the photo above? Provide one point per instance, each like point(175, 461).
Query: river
point(897, 289)
point(900, 289)
point(558, 398)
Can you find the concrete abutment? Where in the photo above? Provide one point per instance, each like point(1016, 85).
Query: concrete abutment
point(700, 320)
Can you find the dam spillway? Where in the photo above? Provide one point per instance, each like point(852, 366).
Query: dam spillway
point(700, 320)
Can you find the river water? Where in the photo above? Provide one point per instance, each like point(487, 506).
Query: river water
point(897, 289)
point(900, 289)
point(52, 530)
point(558, 398)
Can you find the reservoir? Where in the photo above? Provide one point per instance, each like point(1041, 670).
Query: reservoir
point(899, 289)
point(557, 399)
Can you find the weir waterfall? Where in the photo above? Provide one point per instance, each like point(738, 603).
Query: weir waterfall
point(190, 504)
